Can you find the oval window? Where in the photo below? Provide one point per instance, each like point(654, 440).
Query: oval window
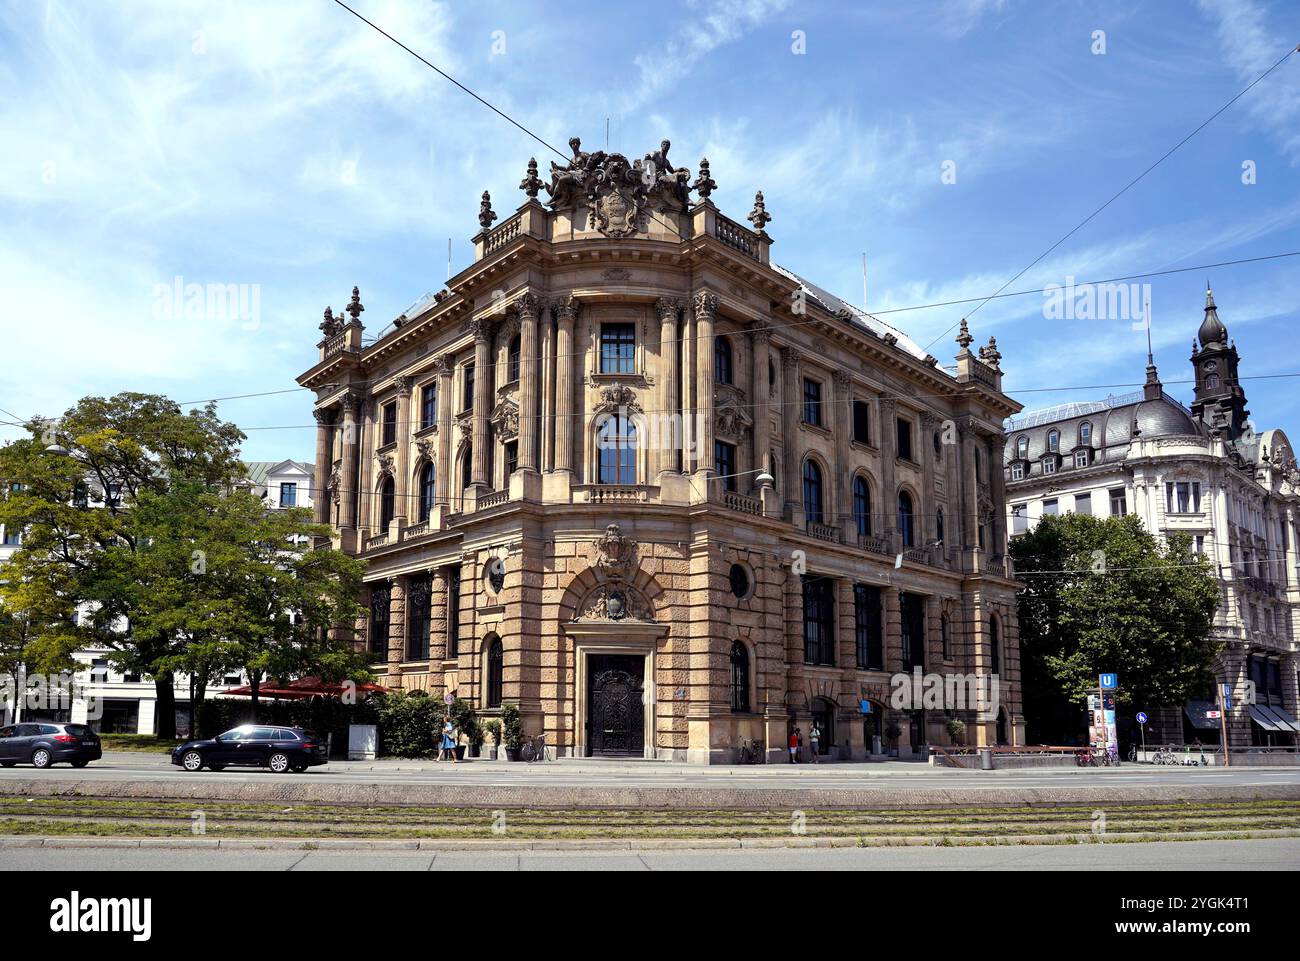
point(739, 580)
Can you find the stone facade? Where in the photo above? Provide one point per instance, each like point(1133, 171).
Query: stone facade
point(628, 460)
point(1204, 471)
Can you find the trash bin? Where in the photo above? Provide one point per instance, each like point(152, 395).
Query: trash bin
point(986, 759)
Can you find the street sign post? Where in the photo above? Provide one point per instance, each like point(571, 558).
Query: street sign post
point(1106, 682)
point(1142, 729)
point(1225, 704)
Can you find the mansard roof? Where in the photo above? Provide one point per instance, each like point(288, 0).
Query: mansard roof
point(1113, 424)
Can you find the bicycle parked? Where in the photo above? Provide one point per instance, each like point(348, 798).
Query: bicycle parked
point(534, 749)
point(751, 752)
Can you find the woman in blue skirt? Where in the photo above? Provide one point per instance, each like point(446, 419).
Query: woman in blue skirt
point(448, 749)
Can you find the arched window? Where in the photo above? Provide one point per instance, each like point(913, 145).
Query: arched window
point(995, 646)
point(467, 467)
point(722, 360)
point(945, 635)
point(512, 361)
point(862, 505)
point(427, 491)
point(1085, 434)
point(812, 492)
point(1054, 441)
point(938, 524)
point(387, 503)
point(495, 659)
point(1022, 448)
point(616, 445)
point(905, 518)
point(739, 677)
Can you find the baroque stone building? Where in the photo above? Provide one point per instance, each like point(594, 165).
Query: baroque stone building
point(1203, 471)
point(666, 496)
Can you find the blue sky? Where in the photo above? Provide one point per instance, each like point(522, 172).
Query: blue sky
point(288, 148)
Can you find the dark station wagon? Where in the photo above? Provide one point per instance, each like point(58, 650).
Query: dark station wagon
point(254, 745)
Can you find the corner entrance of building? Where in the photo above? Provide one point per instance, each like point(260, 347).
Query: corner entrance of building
point(615, 705)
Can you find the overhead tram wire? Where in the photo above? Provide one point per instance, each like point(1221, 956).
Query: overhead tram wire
point(1169, 153)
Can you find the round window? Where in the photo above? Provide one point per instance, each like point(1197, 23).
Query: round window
point(495, 573)
point(739, 580)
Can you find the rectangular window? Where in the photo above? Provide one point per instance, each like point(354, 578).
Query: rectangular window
point(288, 495)
point(1019, 518)
point(1118, 502)
point(419, 617)
point(904, 439)
point(1196, 496)
point(724, 455)
point(468, 398)
point(453, 612)
point(617, 348)
point(428, 406)
point(1080, 458)
point(12, 537)
point(861, 422)
point(812, 402)
point(616, 448)
point(113, 495)
point(911, 611)
point(1050, 508)
point(389, 434)
point(379, 619)
point(512, 458)
point(868, 636)
point(818, 620)
point(1083, 503)
point(1049, 465)
point(99, 671)
point(1017, 471)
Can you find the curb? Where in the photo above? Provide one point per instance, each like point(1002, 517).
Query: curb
point(542, 796)
point(487, 846)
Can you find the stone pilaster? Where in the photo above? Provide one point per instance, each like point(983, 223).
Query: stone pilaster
point(888, 432)
point(566, 311)
point(548, 388)
point(668, 308)
point(402, 463)
point(793, 453)
point(481, 328)
point(760, 392)
point(445, 471)
point(529, 394)
point(705, 305)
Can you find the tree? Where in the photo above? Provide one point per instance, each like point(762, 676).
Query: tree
point(117, 449)
point(1106, 595)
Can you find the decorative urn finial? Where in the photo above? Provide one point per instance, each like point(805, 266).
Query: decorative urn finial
point(963, 337)
point(759, 216)
point(704, 183)
point(485, 212)
point(531, 182)
point(354, 307)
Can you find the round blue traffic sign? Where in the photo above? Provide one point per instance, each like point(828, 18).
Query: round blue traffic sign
point(1142, 717)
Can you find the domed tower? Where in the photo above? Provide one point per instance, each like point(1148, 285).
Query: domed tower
point(1219, 401)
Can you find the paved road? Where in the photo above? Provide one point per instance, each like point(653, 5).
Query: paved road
point(122, 766)
point(1263, 855)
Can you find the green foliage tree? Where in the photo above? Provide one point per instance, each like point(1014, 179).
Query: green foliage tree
point(1106, 595)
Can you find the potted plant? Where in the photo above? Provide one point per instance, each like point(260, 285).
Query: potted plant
point(512, 729)
point(956, 731)
point(892, 733)
point(493, 728)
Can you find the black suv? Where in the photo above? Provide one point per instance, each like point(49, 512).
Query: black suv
point(43, 743)
point(256, 745)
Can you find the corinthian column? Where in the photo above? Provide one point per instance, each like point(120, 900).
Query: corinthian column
point(444, 473)
point(761, 338)
point(706, 312)
point(565, 310)
point(324, 458)
point(548, 388)
point(402, 487)
point(481, 328)
point(666, 435)
point(348, 483)
point(528, 306)
point(790, 395)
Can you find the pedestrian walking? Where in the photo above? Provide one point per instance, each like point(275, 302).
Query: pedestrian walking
point(448, 749)
point(794, 747)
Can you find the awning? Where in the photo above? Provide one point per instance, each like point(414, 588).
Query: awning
point(1263, 720)
point(301, 689)
point(1285, 722)
point(1196, 712)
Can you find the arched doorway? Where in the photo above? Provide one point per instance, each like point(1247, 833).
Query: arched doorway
point(873, 727)
point(823, 716)
point(1002, 726)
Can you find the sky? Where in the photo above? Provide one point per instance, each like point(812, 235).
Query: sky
point(279, 153)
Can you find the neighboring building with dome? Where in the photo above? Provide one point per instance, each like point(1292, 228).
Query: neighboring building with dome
point(1204, 471)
